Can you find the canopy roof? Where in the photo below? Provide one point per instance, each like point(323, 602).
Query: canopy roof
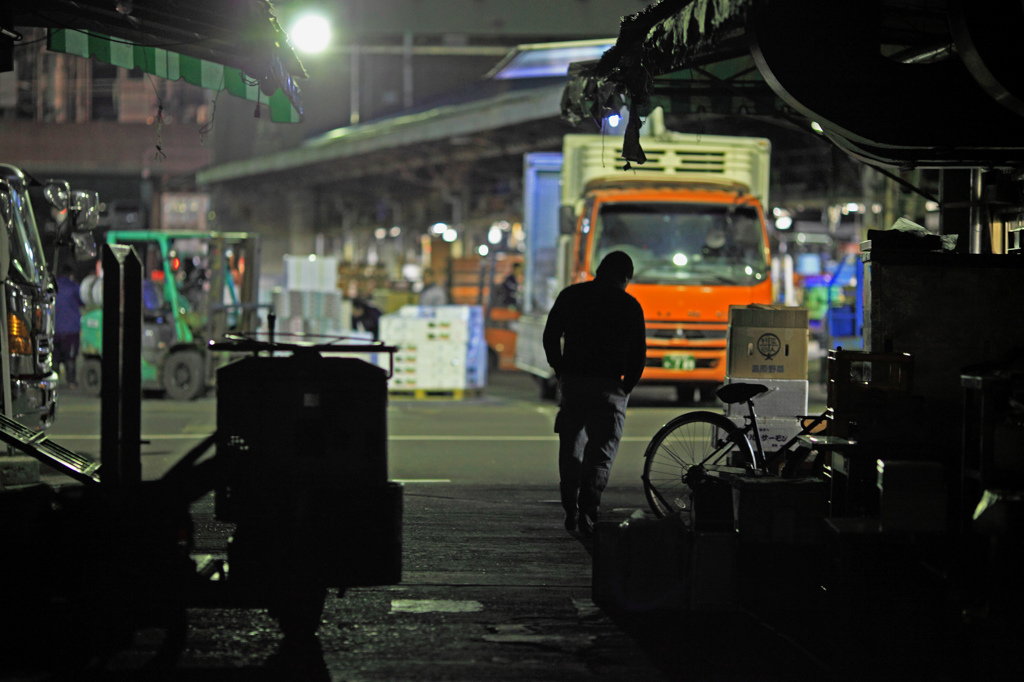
point(236, 45)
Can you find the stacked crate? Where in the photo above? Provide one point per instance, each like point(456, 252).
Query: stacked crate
point(767, 344)
point(310, 302)
point(440, 348)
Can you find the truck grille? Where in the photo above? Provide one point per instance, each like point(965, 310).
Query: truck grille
point(687, 333)
point(43, 353)
point(701, 363)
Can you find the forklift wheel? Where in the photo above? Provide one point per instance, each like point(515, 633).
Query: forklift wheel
point(184, 375)
point(90, 375)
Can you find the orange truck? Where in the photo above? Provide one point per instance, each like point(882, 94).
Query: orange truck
point(693, 220)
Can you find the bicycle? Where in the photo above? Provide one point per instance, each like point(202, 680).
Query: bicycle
point(696, 445)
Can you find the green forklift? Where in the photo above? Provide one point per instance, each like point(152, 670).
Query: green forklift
point(198, 287)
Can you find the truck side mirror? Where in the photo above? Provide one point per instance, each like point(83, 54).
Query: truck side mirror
point(84, 246)
point(6, 203)
point(58, 194)
point(567, 220)
point(7, 215)
point(87, 206)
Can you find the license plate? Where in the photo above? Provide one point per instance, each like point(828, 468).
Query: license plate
point(679, 361)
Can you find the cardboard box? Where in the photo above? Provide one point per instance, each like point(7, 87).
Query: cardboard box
point(780, 510)
point(773, 431)
point(787, 398)
point(767, 342)
point(759, 315)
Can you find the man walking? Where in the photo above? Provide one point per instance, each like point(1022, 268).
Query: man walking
point(598, 365)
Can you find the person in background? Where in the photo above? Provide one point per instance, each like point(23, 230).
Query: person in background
point(508, 293)
point(600, 363)
point(365, 317)
point(68, 324)
point(432, 293)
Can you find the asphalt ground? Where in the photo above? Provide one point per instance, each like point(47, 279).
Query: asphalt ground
point(494, 588)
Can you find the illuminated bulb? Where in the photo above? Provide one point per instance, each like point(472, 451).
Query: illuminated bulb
point(311, 34)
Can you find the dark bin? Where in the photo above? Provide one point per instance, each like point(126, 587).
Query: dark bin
point(304, 444)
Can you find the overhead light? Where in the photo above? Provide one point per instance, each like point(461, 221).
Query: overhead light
point(380, 233)
point(311, 33)
point(450, 235)
point(438, 228)
point(395, 231)
point(483, 250)
point(680, 259)
point(783, 222)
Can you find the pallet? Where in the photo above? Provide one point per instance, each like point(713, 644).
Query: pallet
point(435, 393)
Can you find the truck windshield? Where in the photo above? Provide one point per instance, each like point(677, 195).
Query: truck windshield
point(684, 243)
point(26, 250)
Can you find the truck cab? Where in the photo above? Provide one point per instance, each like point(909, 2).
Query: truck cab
point(27, 294)
point(692, 220)
point(697, 248)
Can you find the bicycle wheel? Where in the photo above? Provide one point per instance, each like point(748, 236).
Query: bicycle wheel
point(687, 447)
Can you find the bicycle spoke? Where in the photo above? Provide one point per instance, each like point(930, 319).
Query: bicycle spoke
point(696, 441)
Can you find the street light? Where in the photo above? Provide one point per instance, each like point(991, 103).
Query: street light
point(311, 33)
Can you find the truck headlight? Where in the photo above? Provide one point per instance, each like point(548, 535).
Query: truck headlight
point(19, 336)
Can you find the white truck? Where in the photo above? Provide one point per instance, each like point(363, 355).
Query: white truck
point(692, 219)
point(29, 382)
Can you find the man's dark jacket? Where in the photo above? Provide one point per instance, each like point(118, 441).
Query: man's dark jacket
point(604, 333)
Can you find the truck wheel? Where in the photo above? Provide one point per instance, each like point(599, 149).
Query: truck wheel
point(688, 394)
point(90, 376)
point(695, 394)
point(184, 375)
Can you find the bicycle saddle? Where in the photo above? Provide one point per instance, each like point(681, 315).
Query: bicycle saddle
point(740, 392)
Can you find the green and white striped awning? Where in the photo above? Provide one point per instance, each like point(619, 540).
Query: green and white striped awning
point(284, 107)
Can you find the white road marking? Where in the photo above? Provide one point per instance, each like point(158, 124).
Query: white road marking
point(422, 480)
point(95, 436)
point(179, 436)
point(625, 439)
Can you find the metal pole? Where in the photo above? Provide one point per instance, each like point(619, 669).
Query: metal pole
point(407, 48)
point(7, 215)
point(5, 359)
point(353, 118)
point(121, 384)
point(977, 226)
